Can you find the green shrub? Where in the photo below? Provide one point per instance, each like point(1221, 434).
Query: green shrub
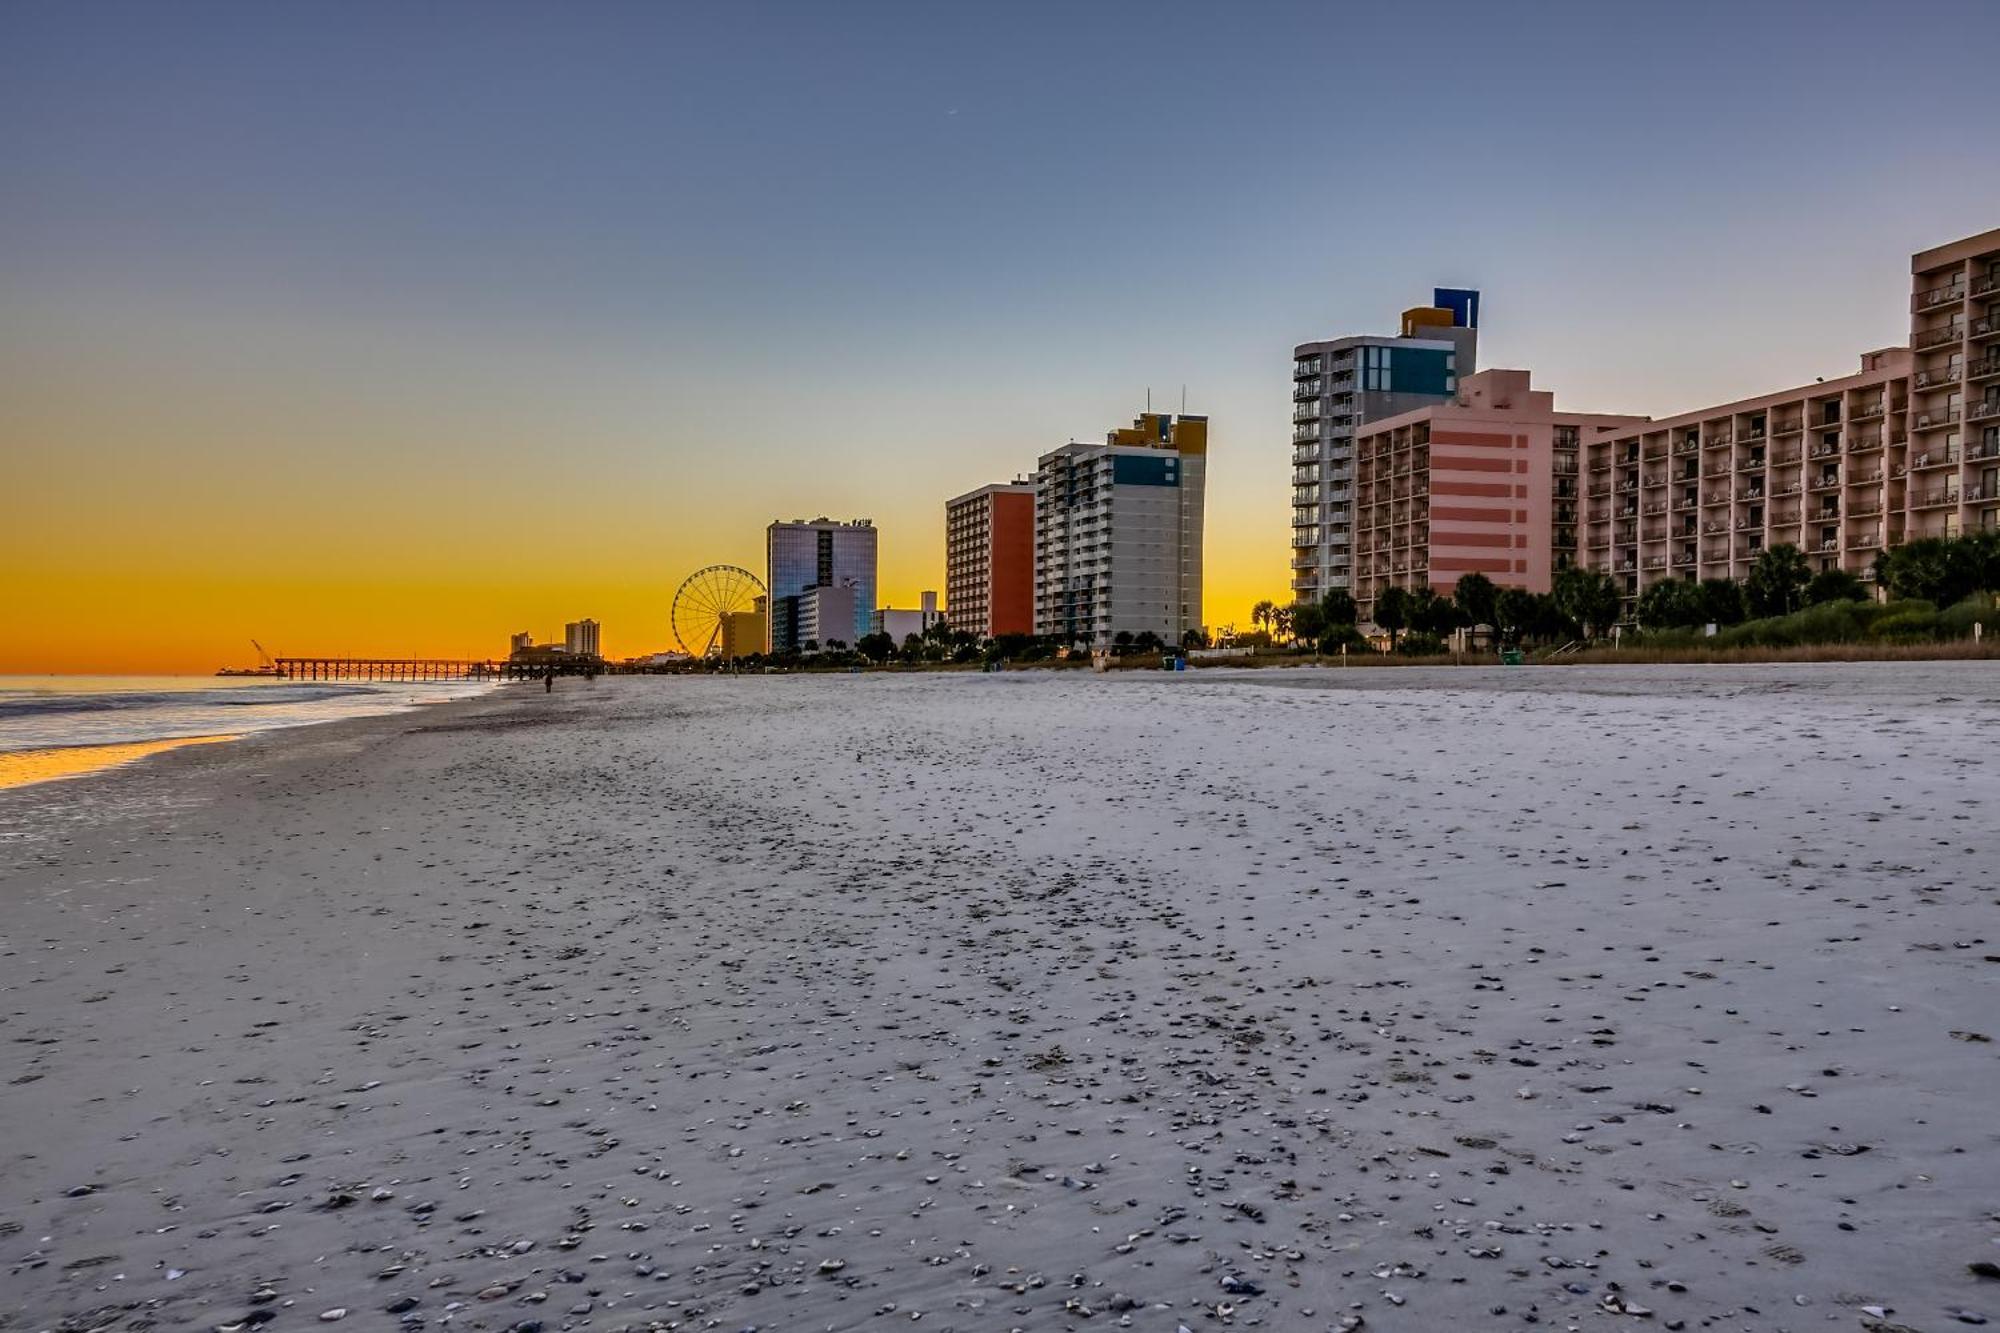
point(1956, 621)
point(1419, 644)
point(1905, 622)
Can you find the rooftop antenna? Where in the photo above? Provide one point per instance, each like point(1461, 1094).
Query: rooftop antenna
point(1183, 400)
point(1149, 398)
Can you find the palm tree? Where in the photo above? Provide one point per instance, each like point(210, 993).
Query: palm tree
point(1281, 622)
point(1260, 614)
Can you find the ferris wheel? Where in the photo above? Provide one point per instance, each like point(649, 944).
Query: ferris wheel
point(704, 598)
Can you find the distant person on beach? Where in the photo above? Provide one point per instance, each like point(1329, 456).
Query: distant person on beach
point(549, 681)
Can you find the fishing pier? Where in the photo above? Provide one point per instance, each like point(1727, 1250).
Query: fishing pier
point(420, 669)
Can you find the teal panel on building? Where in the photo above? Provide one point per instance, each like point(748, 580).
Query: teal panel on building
point(1135, 470)
point(1420, 370)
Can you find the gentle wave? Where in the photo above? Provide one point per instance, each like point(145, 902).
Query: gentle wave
point(44, 713)
point(41, 705)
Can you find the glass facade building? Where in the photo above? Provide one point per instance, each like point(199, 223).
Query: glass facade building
point(820, 553)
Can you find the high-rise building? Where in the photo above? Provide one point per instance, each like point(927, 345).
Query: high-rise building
point(1905, 448)
point(1340, 386)
point(580, 638)
point(1118, 540)
point(989, 556)
point(520, 643)
point(1486, 482)
point(821, 553)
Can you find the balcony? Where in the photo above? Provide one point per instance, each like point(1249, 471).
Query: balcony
point(1931, 459)
point(1827, 546)
point(1789, 426)
point(1715, 498)
point(1863, 411)
point(1715, 525)
point(1749, 493)
point(1983, 450)
point(1654, 507)
point(1625, 487)
point(1983, 411)
point(1940, 296)
point(1865, 478)
point(1863, 444)
point(1864, 508)
point(1937, 420)
point(1934, 499)
point(1684, 559)
point(1749, 465)
point(1716, 441)
point(1598, 492)
point(1866, 541)
point(1655, 562)
point(1825, 483)
point(1986, 326)
point(1300, 434)
point(1564, 466)
point(1936, 377)
point(1989, 283)
point(1749, 525)
point(1983, 369)
point(1307, 369)
point(1950, 333)
point(1786, 459)
point(1688, 447)
point(1785, 518)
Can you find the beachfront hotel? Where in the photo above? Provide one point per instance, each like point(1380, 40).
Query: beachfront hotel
point(580, 638)
point(820, 577)
point(1906, 447)
point(1485, 482)
point(1340, 386)
point(989, 560)
point(1118, 533)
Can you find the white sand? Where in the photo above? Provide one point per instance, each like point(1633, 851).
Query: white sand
point(1449, 1000)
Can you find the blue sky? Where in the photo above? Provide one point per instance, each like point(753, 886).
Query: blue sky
point(690, 267)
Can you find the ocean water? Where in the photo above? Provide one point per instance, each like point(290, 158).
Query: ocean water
point(55, 712)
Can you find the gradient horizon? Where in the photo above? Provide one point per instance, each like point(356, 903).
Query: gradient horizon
point(389, 329)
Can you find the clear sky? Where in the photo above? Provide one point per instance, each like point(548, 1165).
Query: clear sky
point(390, 327)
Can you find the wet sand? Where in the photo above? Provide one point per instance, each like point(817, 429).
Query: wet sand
point(1289, 1000)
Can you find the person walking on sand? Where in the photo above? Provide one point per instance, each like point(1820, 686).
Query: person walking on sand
point(549, 681)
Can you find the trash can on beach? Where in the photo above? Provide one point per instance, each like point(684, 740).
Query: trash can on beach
point(1510, 657)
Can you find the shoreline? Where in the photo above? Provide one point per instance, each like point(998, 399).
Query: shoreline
point(54, 763)
point(35, 764)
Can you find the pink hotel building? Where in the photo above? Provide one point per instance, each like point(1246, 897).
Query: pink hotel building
point(1906, 447)
point(1486, 483)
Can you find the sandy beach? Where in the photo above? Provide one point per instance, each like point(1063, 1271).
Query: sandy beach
point(1300, 1000)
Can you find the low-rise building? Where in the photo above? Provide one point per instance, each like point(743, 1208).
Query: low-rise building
point(743, 632)
point(827, 616)
point(899, 625)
